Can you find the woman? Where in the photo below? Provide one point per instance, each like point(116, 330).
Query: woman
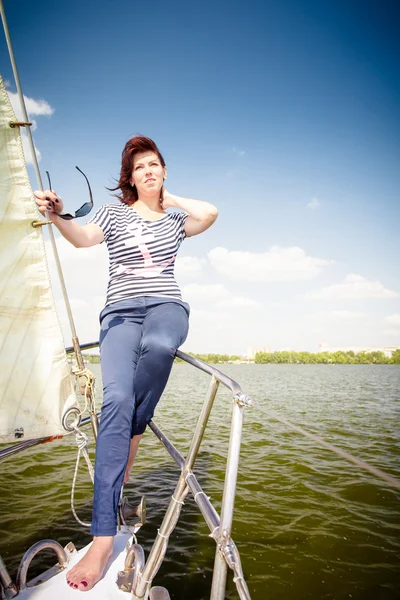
point(143, 323)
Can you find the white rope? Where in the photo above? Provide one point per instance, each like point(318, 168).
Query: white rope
point(82, 442)
point(197, 493)
point(86, 381)
point(211, 535)
point(161, 535)
point(177, 501)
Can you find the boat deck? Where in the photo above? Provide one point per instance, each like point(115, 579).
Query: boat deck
point(57, 588)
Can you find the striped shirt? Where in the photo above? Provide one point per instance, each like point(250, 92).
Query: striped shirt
point(142, 253)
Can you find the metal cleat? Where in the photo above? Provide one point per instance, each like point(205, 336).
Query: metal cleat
point(125, 580)
point(133, 567)
point(129, 512)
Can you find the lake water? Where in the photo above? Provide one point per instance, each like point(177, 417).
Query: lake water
point(307, 523)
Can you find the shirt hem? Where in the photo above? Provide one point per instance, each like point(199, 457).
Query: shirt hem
point(131, 296)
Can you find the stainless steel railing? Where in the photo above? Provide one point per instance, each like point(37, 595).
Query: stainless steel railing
point(226, 554)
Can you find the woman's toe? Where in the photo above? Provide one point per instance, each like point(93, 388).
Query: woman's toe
point(84, 586)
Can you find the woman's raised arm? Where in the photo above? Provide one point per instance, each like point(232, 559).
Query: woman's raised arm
point(80, 236)
point(201, 214)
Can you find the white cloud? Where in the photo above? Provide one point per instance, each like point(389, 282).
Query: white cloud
point(34, 108)
point(394, 332)
point(27, 150)
point(336, 315)
point(277, 264)
point(85, 272)
point(346, 314)
point(393, 319)
point(201, 319)
point(313, 204)
point(222, 319)
point(68, 252)
point(85, 314)
point(238, 152)
point(239, 302)
point(207, 331)
point(204, 293)
point(217, 295)
point(355, 287)
point(188, 266)
point(89, 265)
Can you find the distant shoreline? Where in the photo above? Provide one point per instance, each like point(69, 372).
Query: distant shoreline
point(284, 357)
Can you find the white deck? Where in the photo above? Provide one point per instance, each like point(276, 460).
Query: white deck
point(57, 588)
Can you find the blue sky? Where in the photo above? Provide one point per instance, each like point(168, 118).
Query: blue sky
point(283, 114)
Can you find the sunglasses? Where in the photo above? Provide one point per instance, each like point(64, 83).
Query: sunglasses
point(84, 209)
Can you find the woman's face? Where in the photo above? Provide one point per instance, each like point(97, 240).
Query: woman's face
point(147, 173)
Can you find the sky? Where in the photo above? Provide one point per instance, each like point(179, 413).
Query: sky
point(285, 115)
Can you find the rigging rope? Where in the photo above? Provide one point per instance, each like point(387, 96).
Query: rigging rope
point(86, 381)
point(82, 443)
point(342, 453)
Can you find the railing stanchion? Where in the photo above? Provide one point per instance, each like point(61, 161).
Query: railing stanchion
point(171, 517)
point(228, 499)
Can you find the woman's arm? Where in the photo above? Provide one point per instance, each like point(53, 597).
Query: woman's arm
point(80, 236)
point(201, 214)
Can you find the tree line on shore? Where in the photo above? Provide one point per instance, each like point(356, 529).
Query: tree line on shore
point(285, 357)
point(215, 359)
point(340, 357)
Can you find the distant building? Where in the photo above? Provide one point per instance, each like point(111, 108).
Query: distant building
point(387, 350)
point(251, 352)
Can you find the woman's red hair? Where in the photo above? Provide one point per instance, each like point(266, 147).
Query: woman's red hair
point(136, 144)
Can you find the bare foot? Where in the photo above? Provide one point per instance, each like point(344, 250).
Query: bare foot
point(87, 572)
point(135, 441)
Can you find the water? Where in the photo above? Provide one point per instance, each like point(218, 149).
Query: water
point(307, 523)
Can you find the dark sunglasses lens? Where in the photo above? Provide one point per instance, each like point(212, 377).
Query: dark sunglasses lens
point(84, 210)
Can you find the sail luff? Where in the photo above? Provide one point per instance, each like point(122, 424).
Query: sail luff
point(35, 382)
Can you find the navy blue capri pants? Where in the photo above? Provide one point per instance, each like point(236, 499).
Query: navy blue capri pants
point(138, 341)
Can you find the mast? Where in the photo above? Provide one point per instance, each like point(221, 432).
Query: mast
point(27, 124)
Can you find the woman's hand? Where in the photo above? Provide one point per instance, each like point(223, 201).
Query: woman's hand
point(50, 202)
point(80, 236)
point(201, 214)
point(167, 200)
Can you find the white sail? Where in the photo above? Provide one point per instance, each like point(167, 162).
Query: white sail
point(35, 383)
